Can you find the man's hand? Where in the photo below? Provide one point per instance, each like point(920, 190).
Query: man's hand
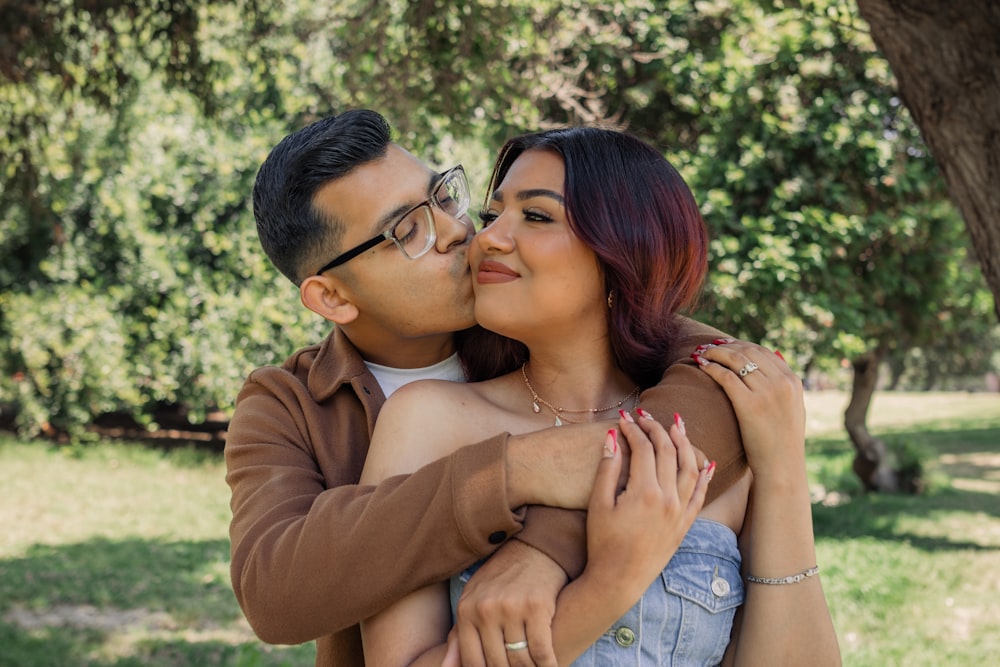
point(510, 599)
point(555, 466)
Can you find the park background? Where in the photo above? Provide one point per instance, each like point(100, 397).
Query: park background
point(134, 297)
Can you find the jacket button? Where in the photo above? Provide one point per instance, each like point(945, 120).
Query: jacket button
point(497, 537)
point(625, 637)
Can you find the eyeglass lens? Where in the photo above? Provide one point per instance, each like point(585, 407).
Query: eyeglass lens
point(415, 233)
point(452, 195)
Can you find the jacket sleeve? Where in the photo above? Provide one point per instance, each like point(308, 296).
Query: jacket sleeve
point(312, 551)
point(559, 534)
point(711, 425)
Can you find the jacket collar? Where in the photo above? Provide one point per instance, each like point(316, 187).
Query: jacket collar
point(338, 363)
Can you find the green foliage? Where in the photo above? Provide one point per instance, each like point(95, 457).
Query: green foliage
point(134, 130)
point(137, 279)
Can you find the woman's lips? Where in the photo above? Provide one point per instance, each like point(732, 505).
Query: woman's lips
point(495, 272)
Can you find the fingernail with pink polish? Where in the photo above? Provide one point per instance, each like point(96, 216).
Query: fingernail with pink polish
point(680, 423)
point(700, 359)
point(626, 416)
point(711, 471)
point(644, 414)
point(780, 355)
point(611, 443)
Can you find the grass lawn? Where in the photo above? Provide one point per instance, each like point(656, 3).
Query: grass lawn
point(914, 580)
point(119, 555)
point(115, 554)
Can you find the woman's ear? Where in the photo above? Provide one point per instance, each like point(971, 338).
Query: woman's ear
point(329, 298)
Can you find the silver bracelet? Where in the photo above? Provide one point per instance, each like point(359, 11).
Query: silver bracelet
point(794, 579)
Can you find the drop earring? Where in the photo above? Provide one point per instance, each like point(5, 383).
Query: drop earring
point(611, 299)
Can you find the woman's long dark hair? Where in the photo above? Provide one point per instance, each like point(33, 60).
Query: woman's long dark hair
point(629, 205)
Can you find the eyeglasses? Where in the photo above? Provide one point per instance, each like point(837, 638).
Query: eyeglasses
point(414, 233)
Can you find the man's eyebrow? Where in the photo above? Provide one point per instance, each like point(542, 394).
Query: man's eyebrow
point(400, 210)
point(524, 195)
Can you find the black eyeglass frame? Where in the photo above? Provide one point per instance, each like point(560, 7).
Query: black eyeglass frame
point(390, 234)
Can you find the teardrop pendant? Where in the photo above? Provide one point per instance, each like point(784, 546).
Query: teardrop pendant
point(558, 421)
point(534, 406)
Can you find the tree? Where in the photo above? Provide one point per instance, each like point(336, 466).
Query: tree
point(135, 280)
point(134, 130)
point(946, 58)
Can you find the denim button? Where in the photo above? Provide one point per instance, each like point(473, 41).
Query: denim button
point(625, 637)
point(720, 587)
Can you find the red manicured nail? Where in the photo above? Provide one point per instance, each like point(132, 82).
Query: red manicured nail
point(612, 441)
point(723, 341)
point(780, 355)
point(644, 414)
point(701, 360)
point(711, 470)
point(626, 416)
point(679, 422)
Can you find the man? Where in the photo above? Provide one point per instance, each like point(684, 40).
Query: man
point(376, 242)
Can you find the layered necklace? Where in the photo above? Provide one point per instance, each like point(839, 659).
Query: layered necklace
point(537, 402)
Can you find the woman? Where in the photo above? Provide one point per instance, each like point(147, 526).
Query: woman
point(592, 242)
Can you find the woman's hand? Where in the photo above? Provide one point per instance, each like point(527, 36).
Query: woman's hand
point(632, 534)
point(768, 399)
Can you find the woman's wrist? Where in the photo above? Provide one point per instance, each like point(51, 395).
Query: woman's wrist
point(779, 473)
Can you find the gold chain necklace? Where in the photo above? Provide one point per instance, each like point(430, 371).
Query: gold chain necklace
point(558, 412)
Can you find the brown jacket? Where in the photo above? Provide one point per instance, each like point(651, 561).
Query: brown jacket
point(313, 552)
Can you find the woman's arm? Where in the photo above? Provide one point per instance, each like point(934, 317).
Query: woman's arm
point(416, 426)
point(777, 541)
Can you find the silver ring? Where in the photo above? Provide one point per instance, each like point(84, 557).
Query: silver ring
point(517, 646)
point(748, 369)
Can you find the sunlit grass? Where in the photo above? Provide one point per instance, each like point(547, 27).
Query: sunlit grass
point(118, 554)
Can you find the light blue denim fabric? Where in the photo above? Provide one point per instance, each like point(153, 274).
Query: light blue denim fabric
point(683, 619)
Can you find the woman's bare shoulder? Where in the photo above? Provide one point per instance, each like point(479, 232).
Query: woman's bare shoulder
point(423, 421)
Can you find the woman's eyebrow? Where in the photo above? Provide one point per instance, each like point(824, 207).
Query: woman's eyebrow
point(528, 194)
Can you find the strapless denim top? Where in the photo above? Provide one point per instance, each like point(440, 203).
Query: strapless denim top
point(683, 619)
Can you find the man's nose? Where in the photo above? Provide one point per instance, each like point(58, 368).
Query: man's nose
point(452, 230)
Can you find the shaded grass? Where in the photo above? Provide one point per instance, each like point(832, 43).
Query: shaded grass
point(117, 555)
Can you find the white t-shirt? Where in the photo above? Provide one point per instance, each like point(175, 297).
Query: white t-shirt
point(391, 379)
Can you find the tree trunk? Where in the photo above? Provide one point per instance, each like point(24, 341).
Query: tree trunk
point(946, 58)
point(897, 366)
point(871, 464)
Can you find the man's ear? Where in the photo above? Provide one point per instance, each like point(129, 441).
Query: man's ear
point(328, 297)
